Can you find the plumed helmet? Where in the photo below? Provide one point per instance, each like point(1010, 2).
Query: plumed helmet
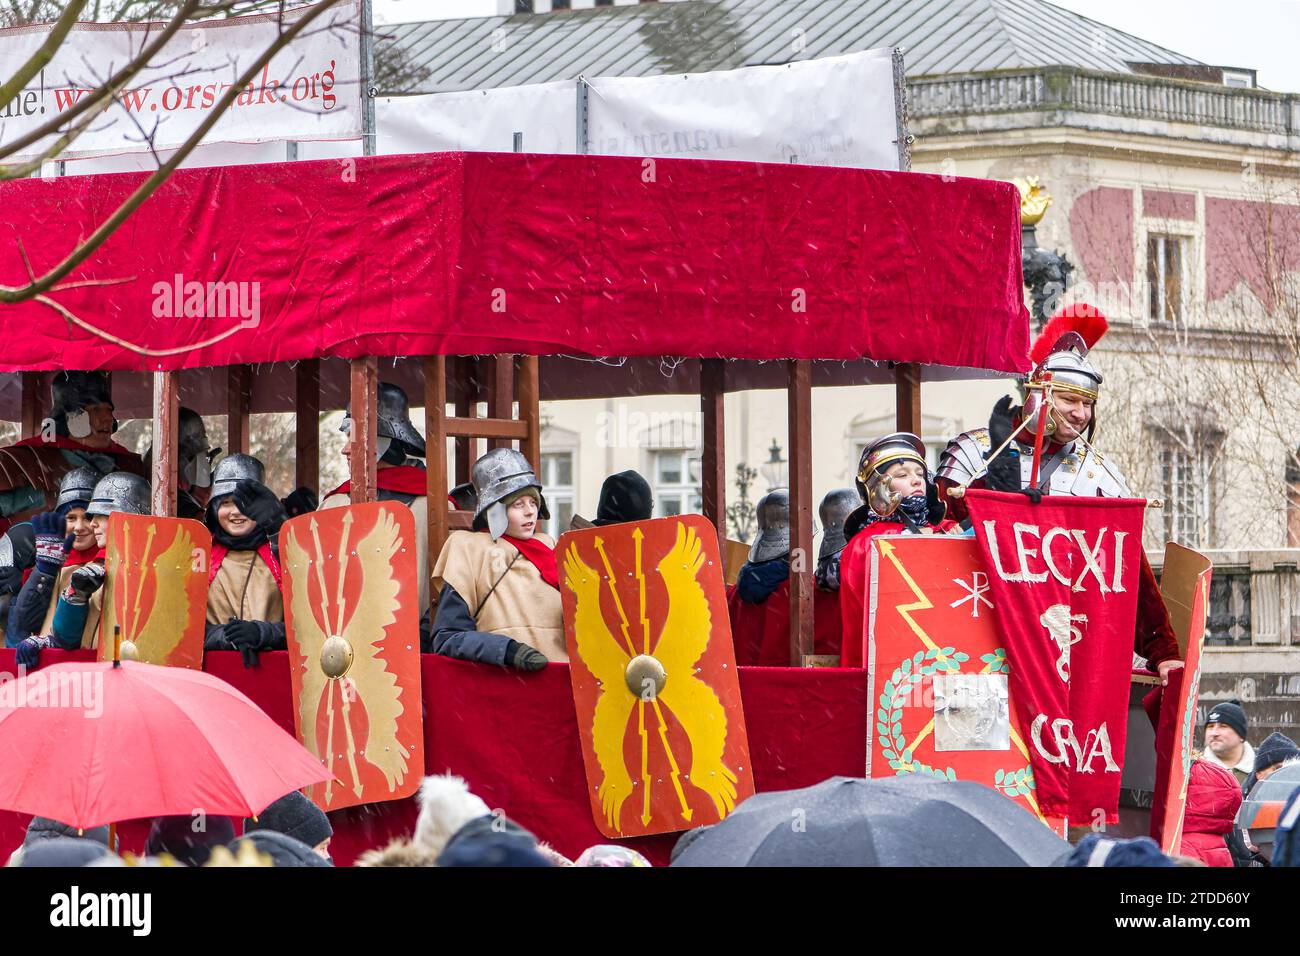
point(233, 469)
point(77, 486)
point(120, 491)
point(773, 514)
point(1060, 353)
point(875, 461)
point(393, 420)
point(835, 507)
point(497, 476)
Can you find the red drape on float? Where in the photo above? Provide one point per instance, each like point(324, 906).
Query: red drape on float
point(481, 253)
point(1063, 577)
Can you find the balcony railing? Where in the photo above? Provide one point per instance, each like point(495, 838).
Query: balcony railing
point(1254, 598)
point(1084, 91)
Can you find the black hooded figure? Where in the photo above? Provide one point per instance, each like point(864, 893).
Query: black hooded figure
point(624, 497)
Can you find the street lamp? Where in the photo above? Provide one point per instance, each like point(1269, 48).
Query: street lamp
point(776, 470)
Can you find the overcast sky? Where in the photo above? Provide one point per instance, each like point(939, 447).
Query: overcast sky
point(1258, 34)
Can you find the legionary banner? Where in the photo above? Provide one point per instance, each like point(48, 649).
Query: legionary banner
point(155, 590)
point(940, 701)
point(352, 608)
point(654, 675)
point(1063, 578)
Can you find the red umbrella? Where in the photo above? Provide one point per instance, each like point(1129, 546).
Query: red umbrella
point(94, 743)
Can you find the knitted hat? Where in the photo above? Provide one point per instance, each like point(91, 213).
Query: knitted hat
point(177, 835)
point(284, 851)
point(296, 816)
point(1275, 748)
point(1230, 714)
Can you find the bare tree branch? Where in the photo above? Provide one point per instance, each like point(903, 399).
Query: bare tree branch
point(43, 55)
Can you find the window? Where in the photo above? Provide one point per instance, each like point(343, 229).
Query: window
point(1187, 478)
point(557, 480)
point(676, 479)
point(1166, 256)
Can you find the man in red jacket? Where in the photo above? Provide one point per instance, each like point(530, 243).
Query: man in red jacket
point(1213, 798)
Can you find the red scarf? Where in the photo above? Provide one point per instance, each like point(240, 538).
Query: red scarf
point(407, 479)
point(542, 557)
point(63, 441)
point(264, 552)
point(76, 557)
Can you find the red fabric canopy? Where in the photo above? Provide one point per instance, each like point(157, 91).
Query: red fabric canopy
point(514, 738)
point(479, 253)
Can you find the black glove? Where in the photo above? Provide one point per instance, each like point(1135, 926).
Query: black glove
point(1033, 494)
point(301, 501)
point(245, 637)
point(935, 508)
point(524, 658)
point(29, 651)
point(1004, 470)
point(85, 581)
point(52, 541)
point(259, 504)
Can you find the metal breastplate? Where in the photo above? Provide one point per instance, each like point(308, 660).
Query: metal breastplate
point(1085, 475)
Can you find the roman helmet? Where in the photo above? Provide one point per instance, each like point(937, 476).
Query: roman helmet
point(496, 476)
point(1061, 363)
point(463, 497)
point(393, 417)
point(77, 487)
point(773, 514)
point(120, 491)
point(233, 469)
point(834, 509)
point(193, 455)
point(72, 393)
point(876, 459)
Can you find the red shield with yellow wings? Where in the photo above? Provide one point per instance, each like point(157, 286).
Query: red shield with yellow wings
point(155, 590)
point(654, 675)
point(352, 611)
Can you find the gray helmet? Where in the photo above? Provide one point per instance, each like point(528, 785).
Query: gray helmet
point(497, 476)
point(773, 513)
point(193, 455)
point(233, 469)
point(393, 414)
point(120, 491)
point(835, 507)
point(77, 485)
point(463, 497)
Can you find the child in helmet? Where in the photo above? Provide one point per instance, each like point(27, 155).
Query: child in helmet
point(901, 498)
point(245, 606)
point(499, 594)
point(63, 541)
point(75, 620)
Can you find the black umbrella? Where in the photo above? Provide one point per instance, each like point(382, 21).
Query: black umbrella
point(901, 821)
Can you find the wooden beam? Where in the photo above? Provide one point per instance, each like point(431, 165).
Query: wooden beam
point(487, 428)
point(530, 410)
point(365, 386)
point(501, 398)
point(166, 415)
point(802, 559)
point(32, 414)
point(907, 397)
point(306, 462)
point(435, 451)
point(462, 395)
point(239, 400)
point(713, 482)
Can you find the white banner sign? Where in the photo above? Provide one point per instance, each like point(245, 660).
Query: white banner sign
point(486, 120)
point(309, 90)
point(836, 111)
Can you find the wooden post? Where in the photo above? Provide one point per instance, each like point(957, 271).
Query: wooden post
point(462, 394)
point(501, 401)
point(365, 423)
point(435, 451)
point(530, 410)
point(802, 558)
point(306, 461)
point(907, 397)
point(166, 414)
point(239, 400)
point(713, 483)
point(31, 416)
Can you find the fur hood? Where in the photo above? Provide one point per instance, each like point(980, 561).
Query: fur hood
point(398, 853)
